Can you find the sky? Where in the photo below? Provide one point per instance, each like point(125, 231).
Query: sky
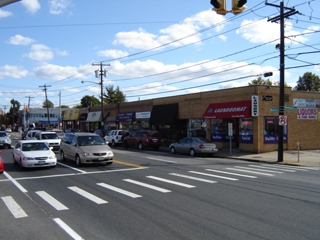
point(149, 49)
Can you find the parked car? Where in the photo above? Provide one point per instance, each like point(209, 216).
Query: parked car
point(193, 146)
point(31, 133)
point(33, 154)
point(100, 132)
point(51, 138)
point(1, 164)
point(143, 139)
point(57, 131)
point(72, 130)
point(115, 137)
point(85, 148)
point(8, 130)
point(5, 141)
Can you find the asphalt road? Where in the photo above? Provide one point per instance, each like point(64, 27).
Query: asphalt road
point(156, 195)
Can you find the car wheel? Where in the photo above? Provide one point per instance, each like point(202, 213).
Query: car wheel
point(192, 152)
point(78, 161)
point(8, 146)
point(108, 163)
point(125, 144)
point(140, 146)
point(113, 144)
point(172, 150)
point(156, 148)
point(14, 160)
point(62, 156)
point(21, 166)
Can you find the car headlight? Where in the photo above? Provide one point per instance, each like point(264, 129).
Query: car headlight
point(27, 158)
point(87, 154)
point(8, 141)
point(52, 157)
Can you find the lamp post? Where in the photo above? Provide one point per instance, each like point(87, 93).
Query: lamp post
point(7, 2)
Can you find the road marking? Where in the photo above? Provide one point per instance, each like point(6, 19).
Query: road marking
point(161, 160)
point(193, 178)
point(235, 174)
point(284, 170)
point(128, 164)
point(289, 167)
point(217, 176)
point(147, 185)
point(22, 189)
point(67, 166)
point(88, 195)
point(242, 170)
point(172, 182)
point(119, 190)
point(52, 201)
point(14, 207)
point(67, 229)
point(261, 170)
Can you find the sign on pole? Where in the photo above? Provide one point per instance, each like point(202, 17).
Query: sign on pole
point(283, 120)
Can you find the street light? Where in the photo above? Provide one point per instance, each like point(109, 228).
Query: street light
point(7, 2)
point(101, 88)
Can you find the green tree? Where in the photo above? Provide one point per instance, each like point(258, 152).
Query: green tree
point(47, 104)
point(308, 82)
point(89, 101)
point(260, 81)
point(113, 95)
point(13, 113)
point(63, 106)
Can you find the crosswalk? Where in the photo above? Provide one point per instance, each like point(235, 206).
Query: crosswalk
point(210, 176)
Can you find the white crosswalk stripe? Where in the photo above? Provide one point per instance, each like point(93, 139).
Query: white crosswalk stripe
point(216, 176)
point(235, 174)
point(52, 201)
point(147, 185)
point(271, 167)
point(248, 171)
point(170, 181)
point(14, 207)
point(193, 178)
point(87, 195)
point(261, 170)
point(288, 167)
point(119, 190)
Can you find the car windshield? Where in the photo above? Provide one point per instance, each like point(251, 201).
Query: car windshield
point(60, 133)
point(49, 136)
point(3, 134)
point(90, 140)
point(37, 146)
point(202, 140)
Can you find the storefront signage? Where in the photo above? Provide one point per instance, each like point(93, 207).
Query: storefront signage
point(126, 117)
point(71, 114)
point(228, 110)
point(254, 106)
point(307, 113)
point(140, 115)
point(94, 117)
point(266, 98)
point(274, 138)
point(299, 102)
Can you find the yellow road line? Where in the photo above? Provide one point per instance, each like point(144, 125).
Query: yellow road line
point(128, 164)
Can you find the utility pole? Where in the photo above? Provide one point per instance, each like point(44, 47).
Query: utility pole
point(59, 109)
point(28, 114)
point(102, 73)
point(45, 91)
point(281, 17)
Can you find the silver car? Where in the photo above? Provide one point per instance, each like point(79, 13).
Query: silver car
point(193, 146)
point(85, 148)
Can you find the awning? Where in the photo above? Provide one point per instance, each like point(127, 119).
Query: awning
point(83, 116)
point(46, 122)
point(72, 114)
point(94, 117)
point(164, 114)
point(239, 109)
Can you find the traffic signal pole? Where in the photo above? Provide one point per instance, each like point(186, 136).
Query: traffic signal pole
point(281, 17)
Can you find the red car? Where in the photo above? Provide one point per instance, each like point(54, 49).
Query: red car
point(1, 164)
point(143, 139)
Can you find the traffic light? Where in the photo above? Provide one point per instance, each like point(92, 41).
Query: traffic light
point(268, 74)
point(238, 6)
point(219, 6)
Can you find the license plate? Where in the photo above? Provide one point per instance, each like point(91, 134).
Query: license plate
point(155, 140)
point(42, 162)
point(100, 158)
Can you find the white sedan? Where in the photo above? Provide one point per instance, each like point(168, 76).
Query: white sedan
point(33, 154)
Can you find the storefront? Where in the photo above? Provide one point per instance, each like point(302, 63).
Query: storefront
point(71, 118)
point(93, 121)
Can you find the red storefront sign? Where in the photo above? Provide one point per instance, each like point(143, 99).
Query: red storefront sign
point(241, 109)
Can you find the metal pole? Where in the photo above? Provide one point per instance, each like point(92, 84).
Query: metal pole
point(101, 83)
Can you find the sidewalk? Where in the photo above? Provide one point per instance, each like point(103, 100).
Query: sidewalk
point(307, 158)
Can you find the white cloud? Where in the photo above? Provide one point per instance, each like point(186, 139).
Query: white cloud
point(4, 14)
point(12, 71)
point(112, 53)
point(40, 52)
point(58, 6)
point(31, 5)
point(62, 53)
point(55, 72)
point(20, 40)
point(70, 89)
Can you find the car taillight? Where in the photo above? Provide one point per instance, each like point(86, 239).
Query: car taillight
point(117, 137)
point(201, 146)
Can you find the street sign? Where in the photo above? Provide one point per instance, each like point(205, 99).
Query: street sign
point(283, 120)
point(290, 108)
point(274, 109)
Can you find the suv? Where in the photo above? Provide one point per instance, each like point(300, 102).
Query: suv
point(5, 140)
point(85, 148)
point(143, 138)
point(115, 137)
point(51, 138)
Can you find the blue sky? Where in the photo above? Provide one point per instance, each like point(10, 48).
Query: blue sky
point(154, 48)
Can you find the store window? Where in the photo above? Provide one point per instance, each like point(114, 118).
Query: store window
point(197, 128)
point(219, 130)
point(246, 133)
point(271, 130)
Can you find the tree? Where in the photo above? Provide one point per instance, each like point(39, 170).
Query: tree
point(308, 82)
point(260, 81)
point(63, 106)
point(47, 104)
point(13, 114)
point(89, 101)
point(113, 95)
